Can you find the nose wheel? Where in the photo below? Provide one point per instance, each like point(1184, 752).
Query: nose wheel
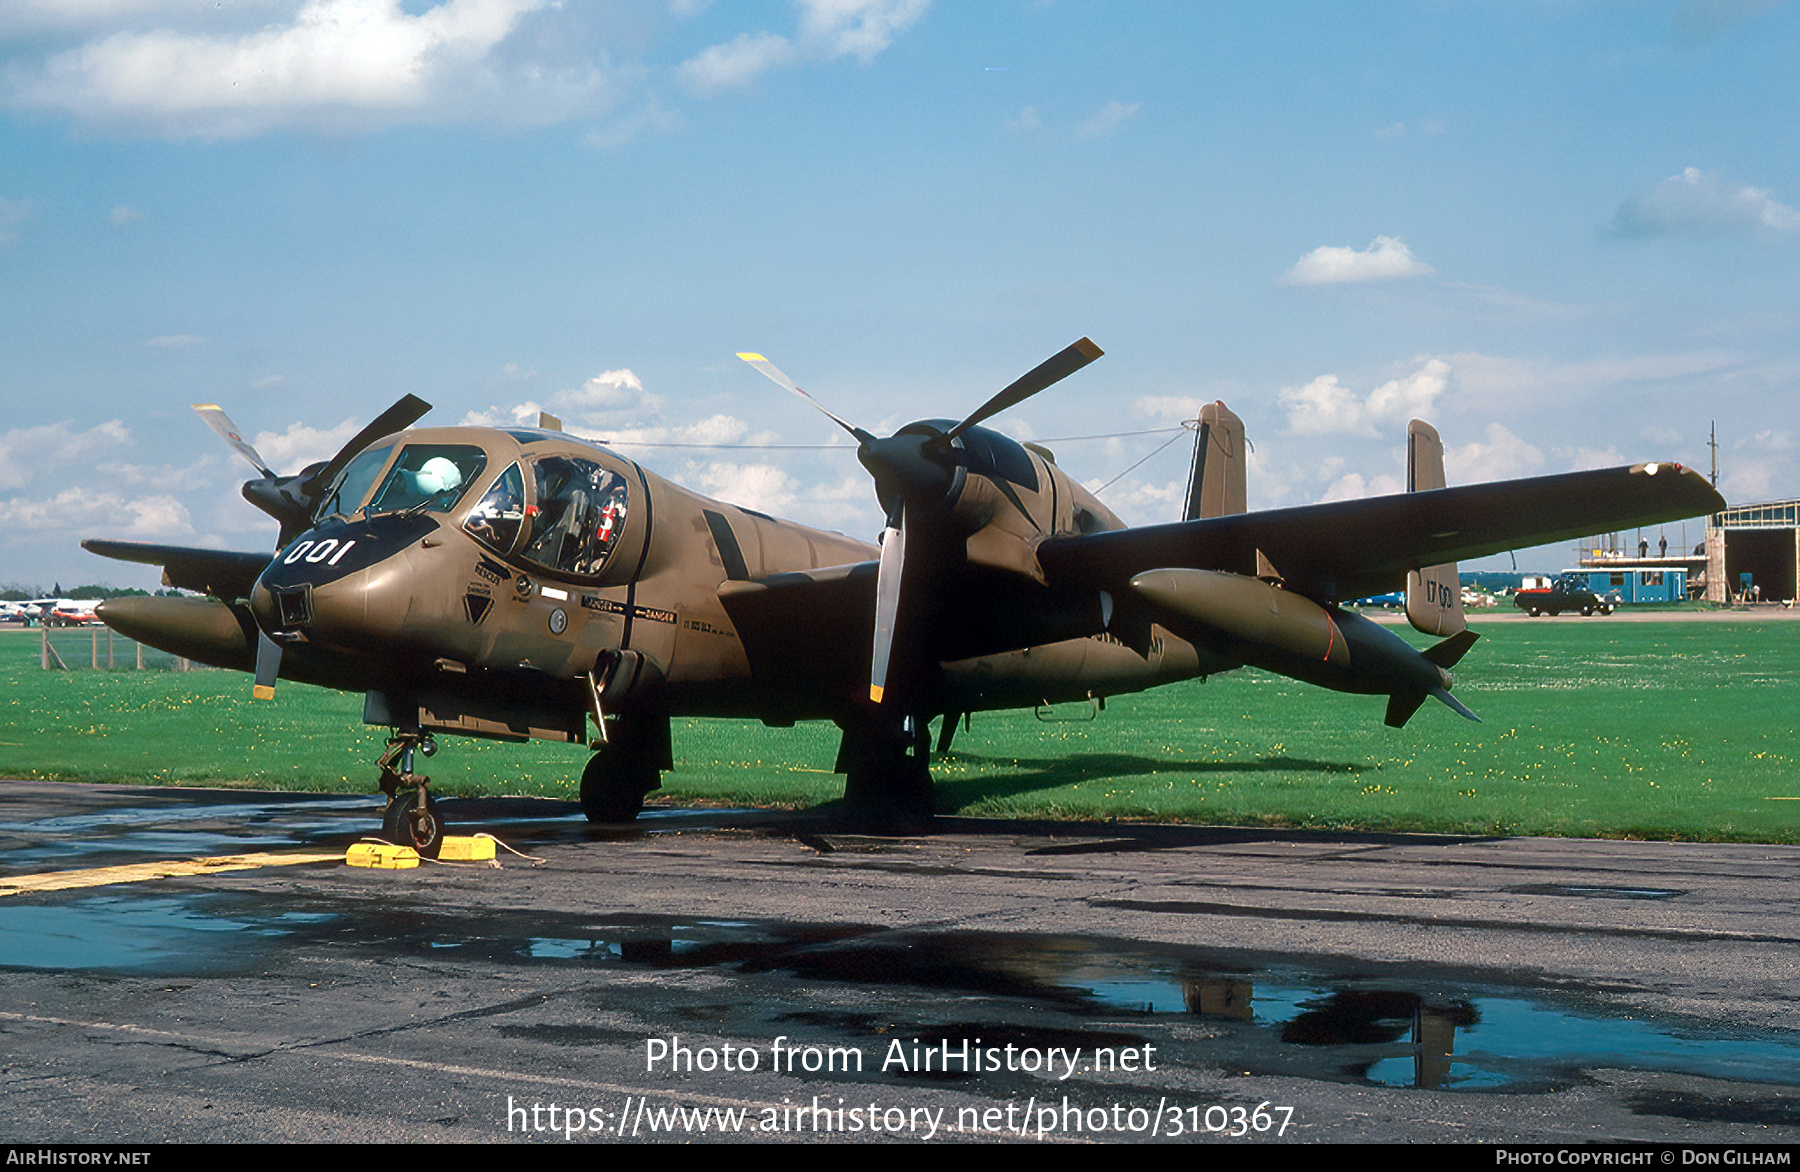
point(411, 819)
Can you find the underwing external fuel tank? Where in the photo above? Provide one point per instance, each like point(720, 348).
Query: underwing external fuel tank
point(1263, 625)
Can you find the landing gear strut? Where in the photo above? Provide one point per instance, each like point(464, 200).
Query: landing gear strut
point(410, 818)
point(625, 767)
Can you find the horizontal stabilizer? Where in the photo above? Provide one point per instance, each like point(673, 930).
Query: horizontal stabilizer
point(1447, 653)
point(1455, 705)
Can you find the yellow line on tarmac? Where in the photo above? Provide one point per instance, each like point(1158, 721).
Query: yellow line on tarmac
point(166, 869)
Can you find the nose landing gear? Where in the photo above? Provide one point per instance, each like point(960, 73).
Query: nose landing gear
point(410, 818)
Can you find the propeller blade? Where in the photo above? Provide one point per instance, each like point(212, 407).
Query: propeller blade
point(887, 603)
point(1047, 373)
point(770, 371)
point(215, 418)
point(396, 418)
point(268, 666)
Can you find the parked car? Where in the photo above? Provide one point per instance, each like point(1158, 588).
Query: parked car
point(1568, 592)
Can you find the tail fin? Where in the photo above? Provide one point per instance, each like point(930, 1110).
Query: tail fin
point(1433, 593)
point(1216, 482)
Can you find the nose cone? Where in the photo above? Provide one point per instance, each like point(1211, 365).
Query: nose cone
point(341, 585)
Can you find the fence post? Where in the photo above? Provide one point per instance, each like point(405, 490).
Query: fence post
point(94, 651)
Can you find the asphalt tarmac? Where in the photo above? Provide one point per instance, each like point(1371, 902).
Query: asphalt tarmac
point(755, 976)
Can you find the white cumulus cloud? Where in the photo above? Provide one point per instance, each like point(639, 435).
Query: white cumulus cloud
point(1354, 486)
point(1702, 203)
point(1385, 258)
point(607, 395)
point(289, 451)
point(1324, 405)
point(762, 487)
point(829, 30)
point(1501, 456)
point(31, 453)
point(332, 65)
point(87, 509)
point(1173, 408)
point(736, 63)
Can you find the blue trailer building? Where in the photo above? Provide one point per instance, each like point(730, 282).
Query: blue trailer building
point(1664, 583)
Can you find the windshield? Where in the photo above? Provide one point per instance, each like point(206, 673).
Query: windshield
point(354, 484)
point(432, 477)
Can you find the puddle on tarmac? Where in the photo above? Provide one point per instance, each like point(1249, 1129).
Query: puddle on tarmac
point(123, 834)
point(1254, 1014)
point(130, 833)
point(169, 933)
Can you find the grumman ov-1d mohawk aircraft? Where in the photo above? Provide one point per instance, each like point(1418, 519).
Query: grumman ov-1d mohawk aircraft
point(518, 582)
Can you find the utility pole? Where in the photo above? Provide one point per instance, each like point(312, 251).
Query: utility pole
point(1713, 443)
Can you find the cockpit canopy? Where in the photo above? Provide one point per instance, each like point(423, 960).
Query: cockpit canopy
point(592, 501)
point(561, 512)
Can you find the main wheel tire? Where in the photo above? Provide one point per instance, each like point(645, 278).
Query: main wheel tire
point(612, 790)
point(888, 790)
point(412, 820)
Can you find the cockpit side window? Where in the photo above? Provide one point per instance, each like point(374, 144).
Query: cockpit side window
point(578, 515)
point(432, 477)
point(354, 484)
point(496, 520)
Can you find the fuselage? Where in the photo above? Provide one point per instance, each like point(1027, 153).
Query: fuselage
point(472, 560)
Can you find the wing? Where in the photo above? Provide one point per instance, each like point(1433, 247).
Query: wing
point(220, 573)
point(1352, 549)
point(804, 633)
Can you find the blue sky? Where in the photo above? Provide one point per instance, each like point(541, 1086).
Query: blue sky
point(1565, 232)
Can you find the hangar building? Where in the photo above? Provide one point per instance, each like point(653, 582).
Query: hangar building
point(1754, 544)
point(1746, 546)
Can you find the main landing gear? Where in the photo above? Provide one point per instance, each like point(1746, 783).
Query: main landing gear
point(887, 775)
point(625, 766)
point(410, 819)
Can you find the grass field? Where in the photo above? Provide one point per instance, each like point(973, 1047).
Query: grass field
point(1591, 727)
